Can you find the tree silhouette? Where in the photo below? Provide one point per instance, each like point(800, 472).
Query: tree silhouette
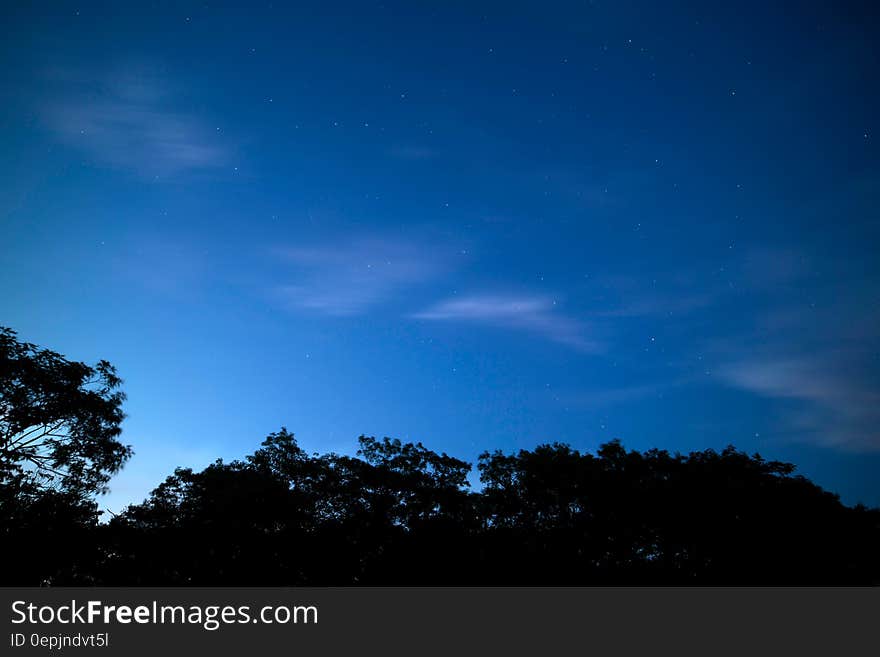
point(59, 419)
point(398, 513)
point(59, 428)
point(706, 517)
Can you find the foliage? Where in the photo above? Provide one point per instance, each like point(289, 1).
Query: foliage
point(398, 513)
point(59, 419)
point(402, 514)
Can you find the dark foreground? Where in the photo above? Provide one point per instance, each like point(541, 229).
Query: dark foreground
point(401, 514)
point(397, 514)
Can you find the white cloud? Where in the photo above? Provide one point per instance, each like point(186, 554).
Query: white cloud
point(348, 278)
point(832, 404)
point(131, 121)
point(535, 314)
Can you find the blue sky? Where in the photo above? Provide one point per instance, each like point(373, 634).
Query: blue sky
point(476, 225)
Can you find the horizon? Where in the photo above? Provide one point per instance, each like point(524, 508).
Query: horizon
point(477, 227)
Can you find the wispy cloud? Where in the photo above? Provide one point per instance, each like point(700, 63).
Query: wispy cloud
point(832, 405)
point(535, 314)
point(607, 396)
point(809, 344)
point(351, 277)
point(131, 121)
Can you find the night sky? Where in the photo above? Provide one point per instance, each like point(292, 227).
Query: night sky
point(479, 226)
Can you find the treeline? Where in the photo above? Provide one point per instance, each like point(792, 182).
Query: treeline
point(398, 513)
point(402, 514)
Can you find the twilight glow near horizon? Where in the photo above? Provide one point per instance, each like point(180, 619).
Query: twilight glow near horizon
point(475, 225)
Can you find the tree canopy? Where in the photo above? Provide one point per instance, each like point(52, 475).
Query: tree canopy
point(59, 445)
point(398, 513)
point(59, 419)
